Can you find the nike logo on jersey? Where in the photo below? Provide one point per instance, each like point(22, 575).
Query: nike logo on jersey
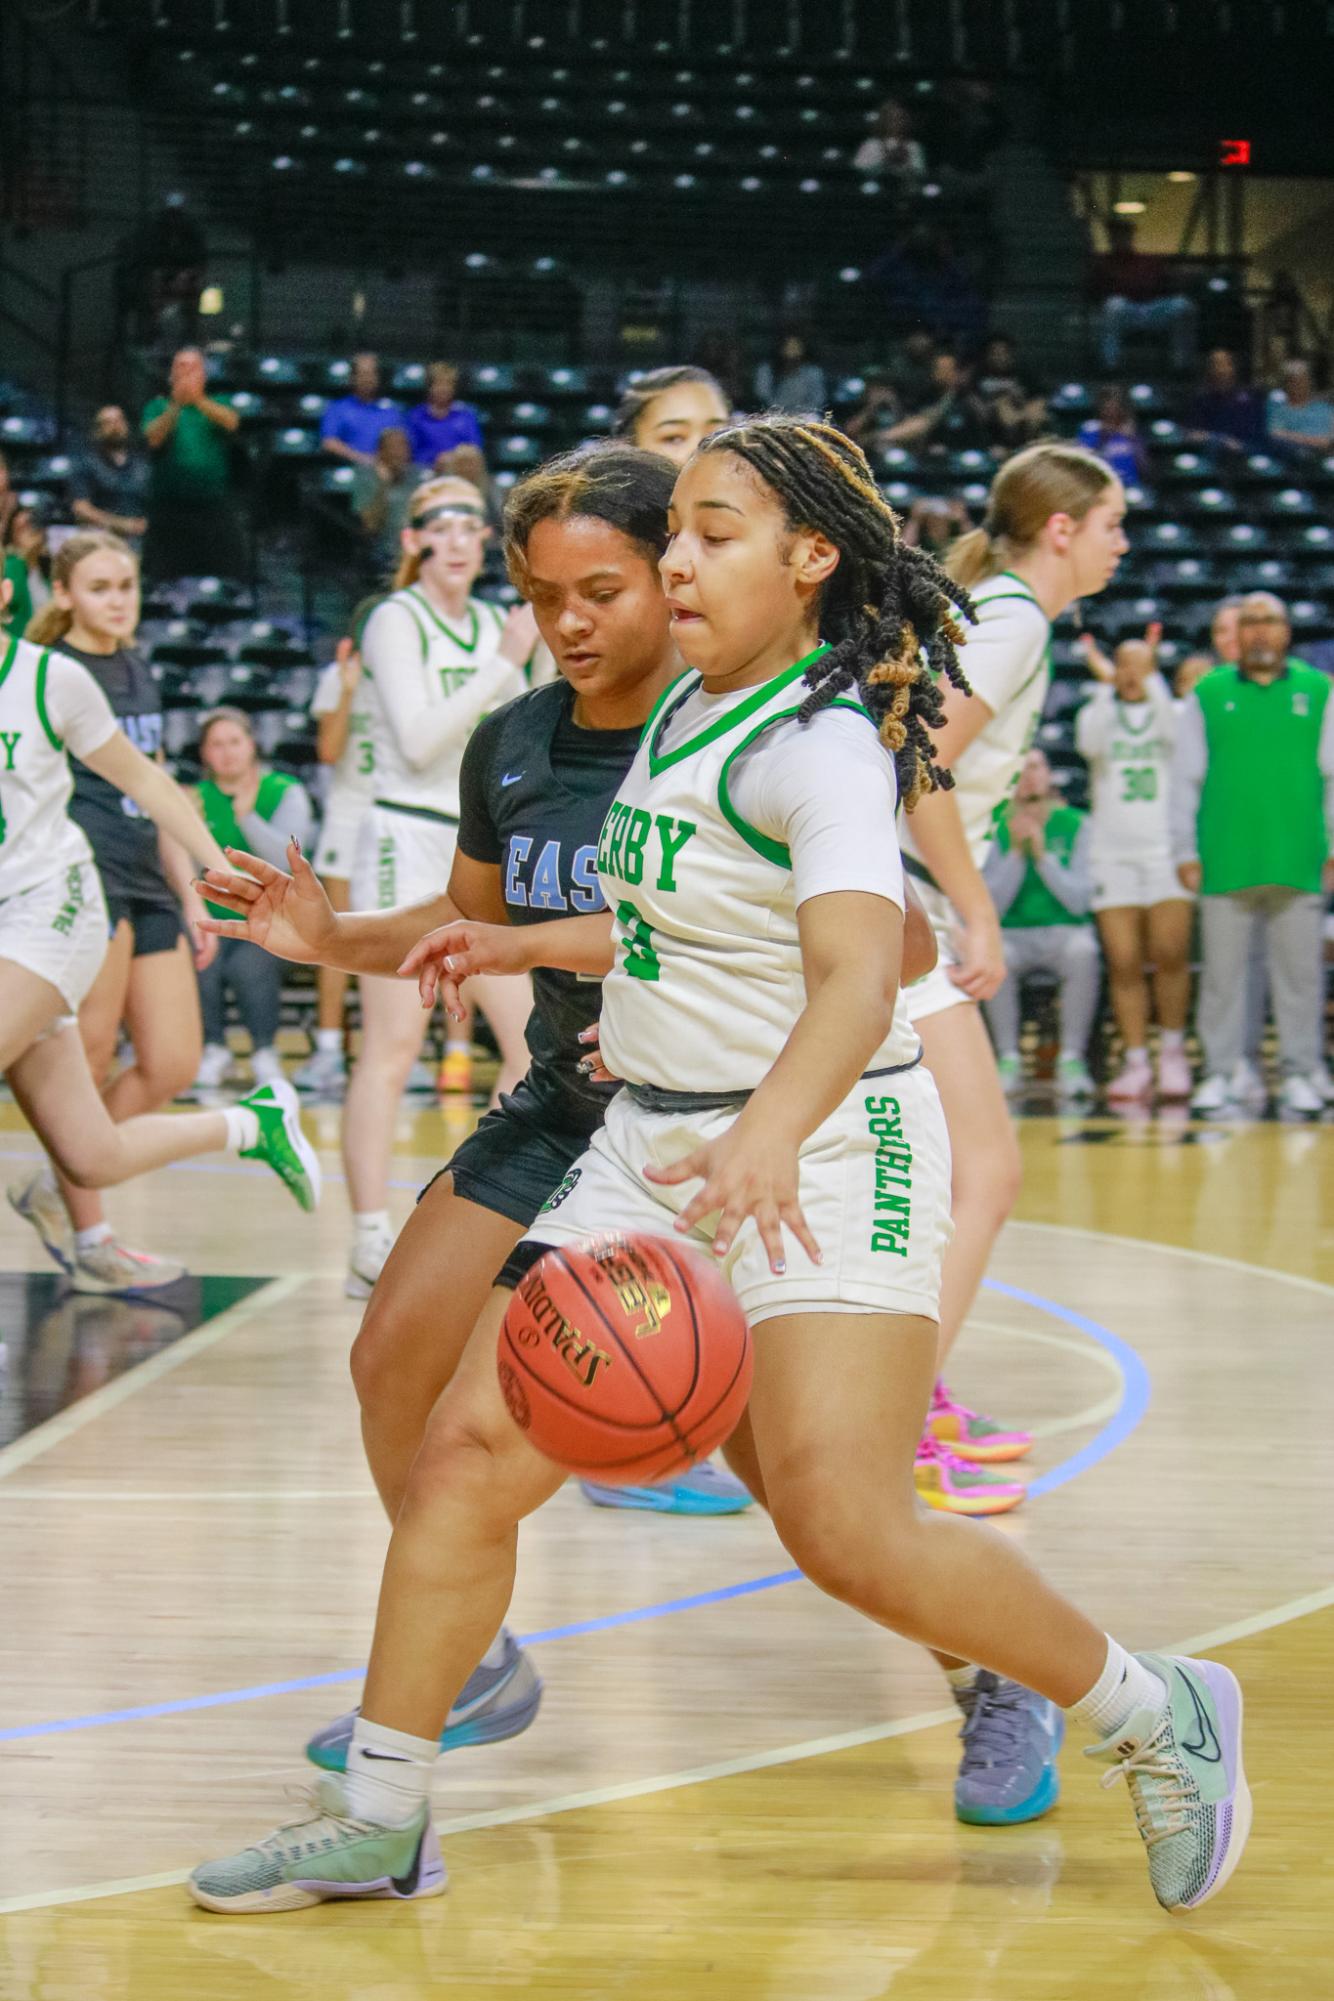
point(511, 778)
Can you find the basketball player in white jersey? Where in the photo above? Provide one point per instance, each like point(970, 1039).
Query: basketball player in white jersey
point(751, 1003)
point(435, 660)
point(1052, 534)
point(53, 937)
point(1126, 734)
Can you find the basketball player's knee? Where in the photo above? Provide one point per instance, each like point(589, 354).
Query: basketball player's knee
point(829, 1541)
point(164, 1073)
point(89, 1160)
point(988, 1179)
point(464, 1458)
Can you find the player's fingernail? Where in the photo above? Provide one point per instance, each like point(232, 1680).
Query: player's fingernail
point(778, 1265)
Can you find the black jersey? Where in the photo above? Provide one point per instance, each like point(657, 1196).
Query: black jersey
point(123, 839)
point(533, 794)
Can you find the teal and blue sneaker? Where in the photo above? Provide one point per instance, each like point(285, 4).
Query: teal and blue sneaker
point(324, 1855)
point(1183, 1767)
point(1007, 1774)
point(494, 1703)
point(281, 1144)
point(701, 1490)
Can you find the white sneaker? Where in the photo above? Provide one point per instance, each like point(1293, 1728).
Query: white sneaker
point(1213, 1095)
point(1133, 1080)
point(365, 1263)
point(266, 1066)
point(214, 1064)
point(37, 1200)
point(1073, 1079)
point(1247, 1084)
point(324, 1072)
point(113, 1267)
point(1174, 1078)
point(1300, 1095)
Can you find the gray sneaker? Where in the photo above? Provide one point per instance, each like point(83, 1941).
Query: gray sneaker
point(114, 1267)
point(324, 1073)
point(1010, 1740)
point(38, 1202)
point(494, 1703)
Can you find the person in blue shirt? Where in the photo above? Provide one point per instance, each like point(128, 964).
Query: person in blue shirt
point(1114, 435)
point(351, 426)
point(440, 424)
point(1299, 420)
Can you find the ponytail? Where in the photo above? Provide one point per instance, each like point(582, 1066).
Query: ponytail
point(49, 626)
point(1046, 479)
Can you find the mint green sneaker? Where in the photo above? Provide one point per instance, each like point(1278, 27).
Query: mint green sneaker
point(1073, 1079)
point(325, 1855)
point(1183, 1767)
point(281, 1144)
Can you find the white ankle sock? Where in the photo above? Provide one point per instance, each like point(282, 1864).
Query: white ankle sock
point(371, 1222)
point(1124, 1686)
point(98, 1233)
point(388, 1773)
point(242, 1127)
point(1139, 1057)
point(1172, 1039)
point(328, 1038)
point(962, 1678)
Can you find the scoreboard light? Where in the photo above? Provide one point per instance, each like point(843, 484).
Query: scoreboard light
point(1234, 152)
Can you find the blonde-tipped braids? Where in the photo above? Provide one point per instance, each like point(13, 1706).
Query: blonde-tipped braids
point(887, 611)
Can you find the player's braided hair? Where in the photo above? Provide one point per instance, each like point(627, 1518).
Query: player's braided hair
point(885, 606)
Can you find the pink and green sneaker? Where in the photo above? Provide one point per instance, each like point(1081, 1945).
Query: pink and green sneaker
point(955, 1487)
point(969, 1435)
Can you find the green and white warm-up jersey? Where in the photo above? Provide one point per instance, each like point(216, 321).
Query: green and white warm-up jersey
point(1007, 659)
point(1128, 749)
point(47, 702)
point(429, 681)
point(732, 815)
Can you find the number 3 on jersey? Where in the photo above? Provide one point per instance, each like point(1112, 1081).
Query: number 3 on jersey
point(641, 961)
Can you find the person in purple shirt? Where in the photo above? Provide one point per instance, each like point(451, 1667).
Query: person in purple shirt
point(1222, 412)
point(351, 426)
point(1114, 435)
point(440, 424)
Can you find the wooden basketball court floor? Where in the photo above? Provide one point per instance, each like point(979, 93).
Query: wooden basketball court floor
point(735, 1788)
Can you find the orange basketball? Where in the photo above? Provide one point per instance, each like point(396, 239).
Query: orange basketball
point(625, 1359)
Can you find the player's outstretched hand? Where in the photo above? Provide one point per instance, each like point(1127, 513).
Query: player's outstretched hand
point(442, 960)
point(289, 915)
point(980, 971)
point(744, 1174)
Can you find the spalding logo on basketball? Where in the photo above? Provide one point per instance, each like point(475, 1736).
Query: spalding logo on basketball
point(625, 1359)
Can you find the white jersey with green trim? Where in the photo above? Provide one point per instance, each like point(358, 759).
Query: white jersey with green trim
point(707, 980)
point(1128, 748)
point(1007, 659)
point(429, 681)
point(352, 781)
point(47, 701)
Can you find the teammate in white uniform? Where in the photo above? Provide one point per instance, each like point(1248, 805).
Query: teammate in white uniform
point(435, 660)
point(53, 937)
point(752, 869)
point(1126, 733)
point(344, 744)
point(1052, 534)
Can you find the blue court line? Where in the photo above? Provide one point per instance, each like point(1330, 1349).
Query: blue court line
point(1135, 1394)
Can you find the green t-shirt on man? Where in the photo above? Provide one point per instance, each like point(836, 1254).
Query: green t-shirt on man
point(194, 465)
point(1261, 815)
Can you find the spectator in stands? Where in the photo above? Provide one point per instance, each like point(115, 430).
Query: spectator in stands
point(952, 421)
point(382, 494)
point(1012, 414)
point(441, 423)
point(669, 410)
point(351, 425)
point(110, 484)
point(1222, 651)
point(1222, 411)
point(923, 280)
point(28, 566)
point(910, 370)
point(251, 807)
point(193, 526)
point(1300, 420)
point(935, 524)
point(1114, 435)
point(1252, 809)
point(793, 381)
point(466, 462)
point(9, 500)
point(1038, 875)
point(879, 410)
point(891, 152)
point(1135, 294)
